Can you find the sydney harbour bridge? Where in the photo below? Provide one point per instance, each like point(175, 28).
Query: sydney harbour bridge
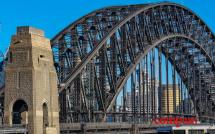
point(134, 63)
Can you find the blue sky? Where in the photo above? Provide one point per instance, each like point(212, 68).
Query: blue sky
point(54, 15)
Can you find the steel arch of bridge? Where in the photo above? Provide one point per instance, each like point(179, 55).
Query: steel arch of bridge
point(153, 45)
point(105, 47)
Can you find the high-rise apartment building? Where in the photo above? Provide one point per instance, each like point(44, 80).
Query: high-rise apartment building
point(167, 98)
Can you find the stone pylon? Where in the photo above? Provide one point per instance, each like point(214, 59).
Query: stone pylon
point(31, 95)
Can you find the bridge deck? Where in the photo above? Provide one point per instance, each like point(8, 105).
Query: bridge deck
point(108, 127)
point(13, 129)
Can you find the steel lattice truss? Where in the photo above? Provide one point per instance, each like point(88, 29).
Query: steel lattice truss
point(1, 71)
point(98, 54)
